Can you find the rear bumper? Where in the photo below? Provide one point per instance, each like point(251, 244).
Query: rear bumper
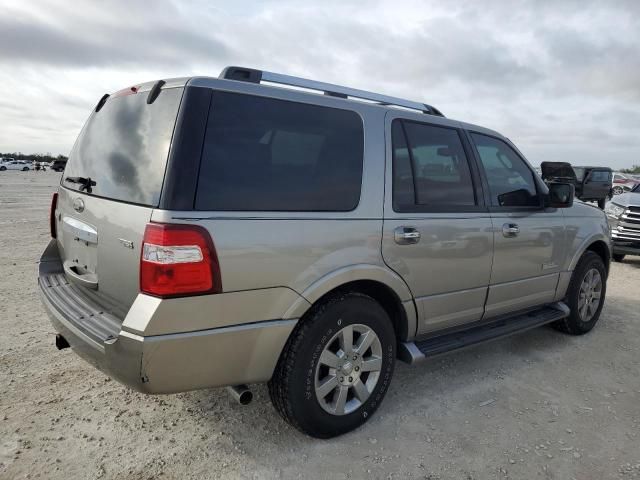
point(162, 363)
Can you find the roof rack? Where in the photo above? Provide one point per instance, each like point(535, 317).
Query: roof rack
point(256, 76)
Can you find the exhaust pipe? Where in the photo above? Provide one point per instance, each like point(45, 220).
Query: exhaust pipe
point(241, 394)
point(61, 342)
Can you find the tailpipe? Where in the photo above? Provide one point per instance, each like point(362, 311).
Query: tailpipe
point(241, 394)
point(61, 342)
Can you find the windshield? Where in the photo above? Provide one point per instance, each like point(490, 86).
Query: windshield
point(122, 150)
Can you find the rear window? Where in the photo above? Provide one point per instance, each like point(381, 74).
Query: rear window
point(262, 154)
point(123, 148)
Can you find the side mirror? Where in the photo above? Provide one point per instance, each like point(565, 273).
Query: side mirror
point(560, 195)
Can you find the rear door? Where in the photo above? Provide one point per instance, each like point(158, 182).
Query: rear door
point(112, 181)
point(529, 239)
point(437, 232)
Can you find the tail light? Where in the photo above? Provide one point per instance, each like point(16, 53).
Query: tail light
point(52, 215)
point(178, 260)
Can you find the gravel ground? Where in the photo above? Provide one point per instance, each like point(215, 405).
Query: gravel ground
point(539, 405)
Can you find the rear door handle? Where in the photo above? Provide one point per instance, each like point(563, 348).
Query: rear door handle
point(510, 230)
point(406, 235)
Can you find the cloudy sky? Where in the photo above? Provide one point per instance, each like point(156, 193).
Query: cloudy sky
point(560, 78)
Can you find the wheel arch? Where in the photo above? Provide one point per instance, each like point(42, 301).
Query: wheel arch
point(383, 285)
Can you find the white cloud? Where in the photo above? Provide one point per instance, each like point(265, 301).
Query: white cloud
point(561, 79)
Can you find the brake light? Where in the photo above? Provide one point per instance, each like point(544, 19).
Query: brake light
point(52, 215)
point(178, 260)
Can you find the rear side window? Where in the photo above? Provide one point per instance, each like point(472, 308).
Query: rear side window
point(511, 181)
point(430, 168)
point(262, 154)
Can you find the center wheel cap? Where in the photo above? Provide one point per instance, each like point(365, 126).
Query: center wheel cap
point(347, 368)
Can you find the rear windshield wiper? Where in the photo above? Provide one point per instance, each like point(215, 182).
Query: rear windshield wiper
point(85, 183)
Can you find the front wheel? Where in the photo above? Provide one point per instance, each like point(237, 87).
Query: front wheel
point(25, 169)
point(3, 168)
point(336, 367)
point(617, 190)
point(585, 295)
point(618, 257)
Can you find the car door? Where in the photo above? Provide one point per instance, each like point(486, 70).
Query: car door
point(528, 238)
point(597, 184)
point(437, 232)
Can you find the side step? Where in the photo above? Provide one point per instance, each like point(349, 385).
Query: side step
point(414, 352)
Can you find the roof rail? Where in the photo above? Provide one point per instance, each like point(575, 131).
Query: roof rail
point(256, 76)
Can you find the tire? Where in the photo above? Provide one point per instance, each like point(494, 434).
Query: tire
point(3, 168)
point(618, 257)
point(617, 190)
point(25, 169)
point(577, 323)
point(601, 203)
point(300, 373)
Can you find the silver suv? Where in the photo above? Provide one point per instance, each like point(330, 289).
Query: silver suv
point(226, 231)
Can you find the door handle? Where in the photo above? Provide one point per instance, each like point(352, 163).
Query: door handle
point(510, 230)
point(406, 235)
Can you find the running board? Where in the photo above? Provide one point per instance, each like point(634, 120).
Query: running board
point(415, 352)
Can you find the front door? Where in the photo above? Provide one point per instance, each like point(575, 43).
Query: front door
point(529, 239)
point(597, 184)
point(437, 232)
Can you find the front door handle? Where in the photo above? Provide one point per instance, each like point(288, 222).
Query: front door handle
point(510, 230)
point(406, 235)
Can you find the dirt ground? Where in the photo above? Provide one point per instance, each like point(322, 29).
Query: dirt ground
point(538, 405)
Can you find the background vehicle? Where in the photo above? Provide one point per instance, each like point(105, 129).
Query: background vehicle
point(623, 213)
point(623, 182)
point(15, 165)
point(266, 234)
point(592, 184)
point(58, 165)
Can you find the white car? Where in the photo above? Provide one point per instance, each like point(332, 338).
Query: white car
point(15, 165)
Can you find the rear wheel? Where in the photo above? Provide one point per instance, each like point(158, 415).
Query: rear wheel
point(25, 169)
point(585, 295)
point(618, 257)
point(336, 367)
point(3, 168)
point(617, 190)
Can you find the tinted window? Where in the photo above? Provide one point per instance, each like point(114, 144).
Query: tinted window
point(266, 154)
point(124, 147)
point(511, 182)
point(599, 176)
point(433, 170)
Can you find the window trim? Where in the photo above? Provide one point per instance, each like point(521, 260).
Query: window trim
point(476, 185)
point(485, 181)
point(210, 110)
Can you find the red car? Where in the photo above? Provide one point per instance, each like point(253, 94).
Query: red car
point(623, 182)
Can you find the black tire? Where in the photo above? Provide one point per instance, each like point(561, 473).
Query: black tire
point(3, 168)
point(618, 257)
point(617, 190)
point(601, 203)
point(292, 387)
point(573, 324)
point(25, 169)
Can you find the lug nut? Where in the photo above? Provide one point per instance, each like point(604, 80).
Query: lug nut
point(357, 369)
point(355, 357)
point(342, 379)
point(351, 379)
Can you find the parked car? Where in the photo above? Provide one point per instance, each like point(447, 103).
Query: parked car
point(623, 182)
point(15, 165)
point(58, 165)
point(592, 184)
point(264, 234)
point(623, 213)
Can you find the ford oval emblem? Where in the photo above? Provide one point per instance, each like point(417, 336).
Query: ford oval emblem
point(78, 205)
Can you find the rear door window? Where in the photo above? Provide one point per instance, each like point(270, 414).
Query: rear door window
point(124, 146)
point(430, 168)
point(263, 154)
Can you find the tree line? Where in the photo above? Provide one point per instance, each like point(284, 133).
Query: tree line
point(635, 169)
point(35, 157)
